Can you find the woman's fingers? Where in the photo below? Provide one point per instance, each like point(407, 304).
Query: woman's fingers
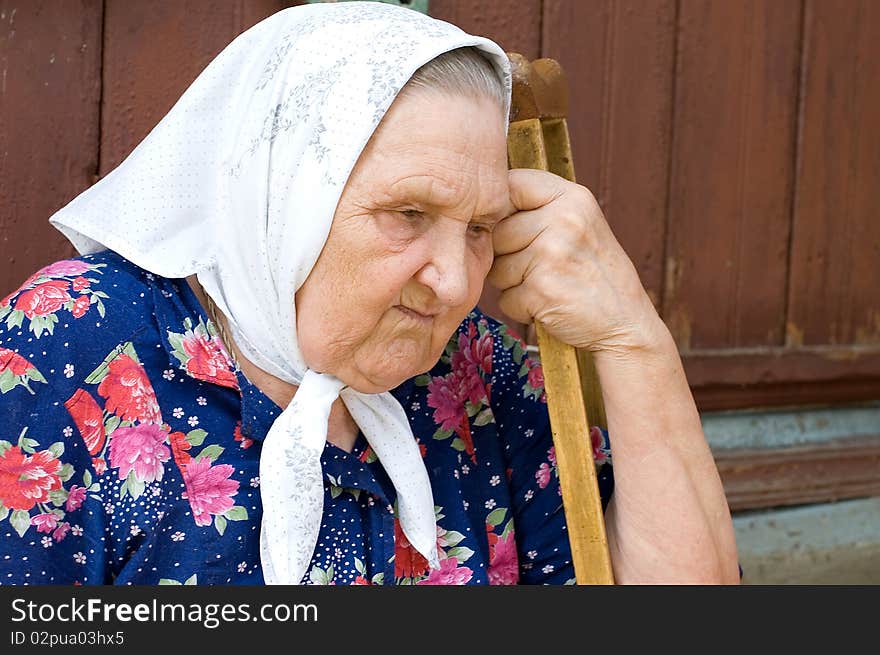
point(518, 231)
point(531, 188)
point(510, 270)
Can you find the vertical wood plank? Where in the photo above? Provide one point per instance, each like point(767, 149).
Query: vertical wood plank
point(732, 172)
point(50, 76)
point(515, 25)
point(835, 257)
point(618, 56)
point(153, 51)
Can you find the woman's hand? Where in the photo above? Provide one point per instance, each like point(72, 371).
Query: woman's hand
point(557, 261)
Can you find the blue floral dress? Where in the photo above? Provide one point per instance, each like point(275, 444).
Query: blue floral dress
point(130, 449)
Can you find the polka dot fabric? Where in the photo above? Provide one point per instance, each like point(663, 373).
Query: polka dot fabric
point(131, 446)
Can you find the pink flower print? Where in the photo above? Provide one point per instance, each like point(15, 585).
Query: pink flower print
point(64, 268)
point(449, 573)
point(209, 489)
point(467, 363)
point(45, 522)
point(503, 562)
point(75, 498)
point(445, 395)
point(542, 475)
point(61, 531)
point(80, 283)
point(140, 449)
point(551, 455)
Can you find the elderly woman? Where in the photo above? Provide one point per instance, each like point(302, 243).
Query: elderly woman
point(266, 366)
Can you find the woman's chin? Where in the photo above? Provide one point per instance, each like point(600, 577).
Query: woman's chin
point(384, 376)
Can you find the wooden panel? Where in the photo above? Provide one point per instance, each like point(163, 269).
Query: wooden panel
point(782, 376)
point(618, 55)
point(732, 172)
point(50, 75)
point(760, 478)
point(835, 275)
point(515, 25)
point(154, 50)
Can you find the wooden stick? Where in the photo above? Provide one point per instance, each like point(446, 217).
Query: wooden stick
point(537, 93)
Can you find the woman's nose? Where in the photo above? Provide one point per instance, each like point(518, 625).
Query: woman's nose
point(446, 272)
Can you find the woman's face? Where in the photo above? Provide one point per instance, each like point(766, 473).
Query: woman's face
point(410, 243)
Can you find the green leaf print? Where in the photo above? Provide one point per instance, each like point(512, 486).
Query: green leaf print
point(21, 521)
point(196, 437)
point(496, 517)
point(220, 524)
point(237, 513)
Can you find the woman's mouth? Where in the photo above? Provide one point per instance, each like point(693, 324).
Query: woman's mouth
point(424, 319)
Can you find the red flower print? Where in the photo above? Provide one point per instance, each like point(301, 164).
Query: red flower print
point(140, 449)
point(209, 489)
point(600, 453)
point(179, 446)
point(27, 480)
point(13, 361)
point(75, 498)
point(80, 283)
point(408, 562)
point(89, 419)
point(449, 573)
point(46, 298)
point(364, 455)
point(361, 580)
point(128, 391)
point(45, 522)
point(99, 465)
point(80, 306)
point(464, 432)
point(536, 376)
point(238, 436)
point(208, 359)
point(503, 561)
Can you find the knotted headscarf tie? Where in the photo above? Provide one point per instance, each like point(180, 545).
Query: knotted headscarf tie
point(238, 184)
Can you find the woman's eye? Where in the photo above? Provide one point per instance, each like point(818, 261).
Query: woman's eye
point(479, 228)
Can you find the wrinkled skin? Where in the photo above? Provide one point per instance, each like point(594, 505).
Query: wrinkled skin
point(410, 244)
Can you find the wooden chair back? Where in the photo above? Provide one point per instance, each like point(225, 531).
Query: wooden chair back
point(538, 138)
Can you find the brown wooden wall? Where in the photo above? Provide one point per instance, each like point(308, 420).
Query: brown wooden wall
point(734, 146)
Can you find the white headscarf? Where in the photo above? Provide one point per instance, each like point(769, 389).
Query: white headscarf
point(238, 184)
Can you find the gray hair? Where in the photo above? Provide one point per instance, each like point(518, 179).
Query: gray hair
point(463, 71)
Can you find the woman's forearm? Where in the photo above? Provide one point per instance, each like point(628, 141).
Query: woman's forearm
point(668, 520)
